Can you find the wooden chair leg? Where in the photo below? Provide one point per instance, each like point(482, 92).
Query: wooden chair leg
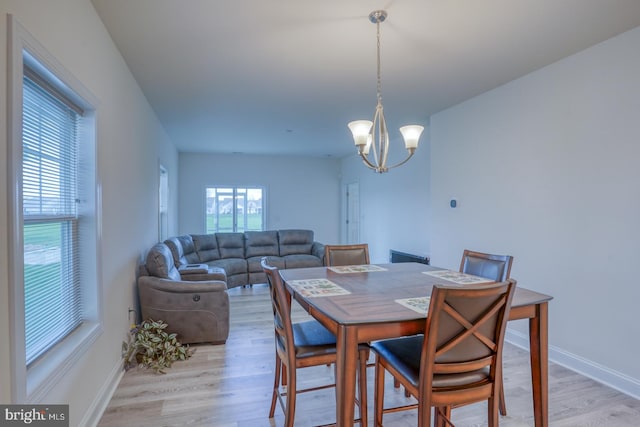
point(442, 417)
point(362, 386)
point(493, 416)
point(437, 419)
point(378, 395)
point(503, 402)
point(276, 386)
point(290, 413)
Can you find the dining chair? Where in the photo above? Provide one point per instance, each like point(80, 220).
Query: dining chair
point(336, 255)
point(355, 254)
point(301, 345)
point(489, 266)
point(458, 359)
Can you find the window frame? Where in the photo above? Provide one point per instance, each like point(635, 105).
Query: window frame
point(31, 384)
point(235, 189)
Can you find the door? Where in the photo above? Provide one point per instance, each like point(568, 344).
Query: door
point(353, 213)
point(163, 205)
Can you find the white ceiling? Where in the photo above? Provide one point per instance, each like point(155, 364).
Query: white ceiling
point(285, 76)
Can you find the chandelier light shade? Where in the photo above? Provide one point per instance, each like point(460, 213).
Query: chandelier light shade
point(372, 136)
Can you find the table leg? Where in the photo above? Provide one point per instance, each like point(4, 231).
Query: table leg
point(539, 353)
point(346, 367)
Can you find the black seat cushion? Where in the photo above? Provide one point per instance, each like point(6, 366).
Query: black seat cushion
point(404, 355)
point(312, 339)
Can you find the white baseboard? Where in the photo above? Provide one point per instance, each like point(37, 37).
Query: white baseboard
point(94, 413)
point(595, 371)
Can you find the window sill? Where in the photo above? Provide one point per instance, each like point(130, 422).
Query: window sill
point(54, 365)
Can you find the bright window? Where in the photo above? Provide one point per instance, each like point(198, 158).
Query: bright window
point(234, 209)
point(54, 218)
point(50, 215)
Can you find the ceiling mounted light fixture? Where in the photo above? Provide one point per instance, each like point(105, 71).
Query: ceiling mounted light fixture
point(368, 134)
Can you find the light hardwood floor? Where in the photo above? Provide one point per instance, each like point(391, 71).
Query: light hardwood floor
point(230, 386)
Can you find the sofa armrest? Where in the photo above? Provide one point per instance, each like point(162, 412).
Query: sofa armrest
point(317, 249)
point(168, 285)
point(195, 311)
point(204, 273)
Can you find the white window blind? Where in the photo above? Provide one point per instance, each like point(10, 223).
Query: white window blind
point(49, 203)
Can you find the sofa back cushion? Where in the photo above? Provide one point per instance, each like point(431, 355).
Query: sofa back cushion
point(295, 242)
point(183, 250)
point(230, 245)
point(261, 243)
point(206, 247)
point(160, 263)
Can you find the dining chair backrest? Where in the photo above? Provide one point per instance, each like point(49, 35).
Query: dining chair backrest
point(465, 331)
point(281, 313)
point(489, 266)
point(337, 255)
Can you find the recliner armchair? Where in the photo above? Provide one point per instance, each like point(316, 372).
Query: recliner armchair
point(196, 310)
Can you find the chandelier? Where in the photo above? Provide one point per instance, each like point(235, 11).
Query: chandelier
point(372, 136)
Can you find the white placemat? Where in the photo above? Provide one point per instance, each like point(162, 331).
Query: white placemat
point(317, 288)
point(418, 304)
point(457, 277)
point(365, 268)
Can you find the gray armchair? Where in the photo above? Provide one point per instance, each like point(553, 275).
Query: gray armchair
point(196, 310)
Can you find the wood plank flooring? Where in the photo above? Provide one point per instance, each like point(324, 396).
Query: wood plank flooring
point(230, 386)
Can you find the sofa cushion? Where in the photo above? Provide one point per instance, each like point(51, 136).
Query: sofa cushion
point(160, 264)
point(302, 261)
point(206, 246)
point(295, 241)
point(230, 245)
point(261, 243)
point(183, 250)
point(231, 266)
point(255, 266)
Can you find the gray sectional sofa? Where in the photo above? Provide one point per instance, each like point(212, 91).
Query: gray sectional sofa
point(239, 254)
point(184, 279)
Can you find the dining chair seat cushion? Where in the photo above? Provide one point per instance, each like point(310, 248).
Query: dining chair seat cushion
point(404, 355)
point(312, 339)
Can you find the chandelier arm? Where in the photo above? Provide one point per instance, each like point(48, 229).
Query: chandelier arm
point(366, 161)
point(383, 140)
point(411, 152)
point(376, 136)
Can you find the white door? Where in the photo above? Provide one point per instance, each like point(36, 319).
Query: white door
point(353, 213)
point(163, 205)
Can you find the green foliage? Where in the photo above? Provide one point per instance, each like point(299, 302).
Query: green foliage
point(149, 345)
point(225, 223)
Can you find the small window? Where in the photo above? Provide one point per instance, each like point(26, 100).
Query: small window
point(234, 209)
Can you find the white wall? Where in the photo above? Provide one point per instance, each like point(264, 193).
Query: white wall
point(394, 206)
point(131, 143)
point(546, 168)
point(302, 192)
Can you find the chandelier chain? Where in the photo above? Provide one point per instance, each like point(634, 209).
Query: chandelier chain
point(379, 78)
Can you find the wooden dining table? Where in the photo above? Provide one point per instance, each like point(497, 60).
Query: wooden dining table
point(360, 304)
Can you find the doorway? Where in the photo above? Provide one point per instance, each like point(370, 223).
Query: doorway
point(353, 213)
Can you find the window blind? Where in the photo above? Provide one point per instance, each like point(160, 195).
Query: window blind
point(49, 204)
